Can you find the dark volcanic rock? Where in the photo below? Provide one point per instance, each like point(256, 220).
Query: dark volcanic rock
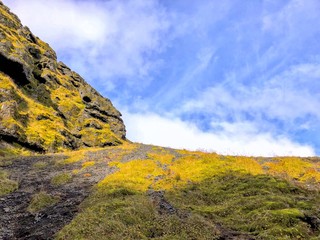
point(44, 105)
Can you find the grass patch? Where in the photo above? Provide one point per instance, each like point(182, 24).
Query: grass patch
point(125, 214)
point(41, 201)
point(259, 205)
point(61, 179)
point(40, 165)
point(6, 185)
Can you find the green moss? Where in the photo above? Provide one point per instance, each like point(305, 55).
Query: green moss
point(41, 201)
point(61, 179)
point(6, 185)
point(40, 165)
point(132, 216)
point(258, 205)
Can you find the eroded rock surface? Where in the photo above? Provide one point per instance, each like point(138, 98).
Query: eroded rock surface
point(44, 105)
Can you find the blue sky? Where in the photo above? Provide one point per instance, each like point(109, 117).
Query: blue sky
point(235, 77)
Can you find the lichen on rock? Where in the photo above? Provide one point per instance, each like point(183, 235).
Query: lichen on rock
point(44, 105)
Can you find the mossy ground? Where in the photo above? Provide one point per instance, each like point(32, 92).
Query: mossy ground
point(250, 196)
point(61, 179)
point(6, 185)
point(41, 201)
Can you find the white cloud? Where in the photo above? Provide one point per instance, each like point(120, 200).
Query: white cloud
point(104, 40)
point(63, 23)
point(235, 139)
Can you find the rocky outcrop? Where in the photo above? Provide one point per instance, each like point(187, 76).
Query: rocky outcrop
point(44, 105)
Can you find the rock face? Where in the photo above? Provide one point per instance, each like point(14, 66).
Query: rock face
point(45, 106)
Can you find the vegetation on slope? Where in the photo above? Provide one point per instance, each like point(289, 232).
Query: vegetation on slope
point(194, 195)
point(41, 200)
point(6, 184)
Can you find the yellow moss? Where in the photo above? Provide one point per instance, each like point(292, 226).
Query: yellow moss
point(5, 82)
point(45, 132)
point(121, 150)
point(74, 156)
point(10, 123)
point(311, 174)
point(160, 172)
point(69, 102)
point(134, 175)
point(100, 137)
point(75, 171)
point(249, 165)
point(14, 150)
point(293, 168)
point(88, 164)
point(162, 158)
point(8, 16)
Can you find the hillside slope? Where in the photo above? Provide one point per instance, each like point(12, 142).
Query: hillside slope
point(135, 191)
point(45, 106)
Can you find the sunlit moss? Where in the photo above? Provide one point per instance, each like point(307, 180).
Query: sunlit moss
point(88, 164)
point(73, 156)
point(294, 168)
point(135, 175)
point(99, 137)
point(9, 16)
point(5, 82)
point(163, 158)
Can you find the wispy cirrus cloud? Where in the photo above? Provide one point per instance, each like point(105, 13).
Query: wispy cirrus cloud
point(291, 94)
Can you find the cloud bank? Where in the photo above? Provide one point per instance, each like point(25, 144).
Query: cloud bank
point(172, 132)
